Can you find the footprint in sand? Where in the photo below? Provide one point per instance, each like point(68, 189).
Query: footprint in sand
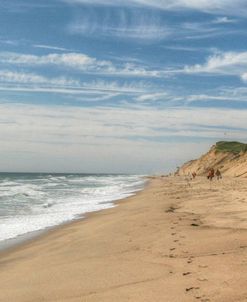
point(187, 273)
point(191, 288)
point(172, 249)
point(195, 224)
point(190, 260)
point(202, 279)
point(243, 246)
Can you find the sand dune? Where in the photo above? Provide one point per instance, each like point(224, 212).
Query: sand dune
point(229, 159)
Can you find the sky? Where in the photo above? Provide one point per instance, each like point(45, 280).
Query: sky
point(110, 86)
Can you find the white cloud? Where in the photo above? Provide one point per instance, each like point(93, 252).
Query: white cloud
point(139, 31)
point(205, 97)
point(152, 97)
point(82, 91)
point(134, 87)
point(223, 20)
point(121, 24)
point(9, 42)
point(74, 60)
point(228, 63)
point(31, 78)
point(100, 139)
point(50, 47)
point(244, 77)
point(79, 62)
point(141, 25)
point(237, 7)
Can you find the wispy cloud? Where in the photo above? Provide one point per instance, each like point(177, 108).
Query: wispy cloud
point(222, 63)
point(31, 78)
point(50, 47)
point(238, 7)
point(23, 6)
point(79, 62)
point(171, 99)
point(218, 98)
point(73, 60)
point(134, 87)
point(85, 91)
point(121, 24)
point(138, 31)
point(244, 77)
point(41, 131)
point(223, 20)
point(9, 42)
point(153, 97)
point(125, 123)
point(143, 25)
point(187, 48)
point(112, 131)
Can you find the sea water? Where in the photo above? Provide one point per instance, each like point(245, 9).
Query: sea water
point(34, 202)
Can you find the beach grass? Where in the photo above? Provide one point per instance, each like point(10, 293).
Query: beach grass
point(233, 147)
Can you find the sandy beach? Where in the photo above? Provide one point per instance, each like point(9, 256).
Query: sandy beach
point(174, 241)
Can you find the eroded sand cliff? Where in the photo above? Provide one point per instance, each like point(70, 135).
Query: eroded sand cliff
point(229, 157)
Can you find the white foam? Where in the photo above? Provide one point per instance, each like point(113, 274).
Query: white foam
point(32, 205)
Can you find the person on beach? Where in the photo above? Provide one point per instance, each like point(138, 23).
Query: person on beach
point(218, 174)
point(210, 175)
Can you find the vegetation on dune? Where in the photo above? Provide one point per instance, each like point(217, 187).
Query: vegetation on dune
point(233, 147)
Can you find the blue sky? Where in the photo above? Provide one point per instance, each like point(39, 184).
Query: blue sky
point(102, 86)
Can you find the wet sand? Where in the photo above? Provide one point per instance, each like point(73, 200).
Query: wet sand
point(177, 240)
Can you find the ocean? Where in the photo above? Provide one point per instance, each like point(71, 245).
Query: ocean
point(33, 202)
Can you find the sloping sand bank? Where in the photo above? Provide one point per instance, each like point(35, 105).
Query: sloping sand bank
point(174, 241)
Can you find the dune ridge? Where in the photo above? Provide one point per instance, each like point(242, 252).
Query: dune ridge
point(229, 157)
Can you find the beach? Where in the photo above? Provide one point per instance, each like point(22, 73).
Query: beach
point(177, 240)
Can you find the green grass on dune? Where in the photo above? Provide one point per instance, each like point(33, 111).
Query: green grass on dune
point(233, 147)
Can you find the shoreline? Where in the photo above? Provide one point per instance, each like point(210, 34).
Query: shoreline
point(13, 244)
point(172, 241)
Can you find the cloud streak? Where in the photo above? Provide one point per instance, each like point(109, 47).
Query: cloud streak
point(94, 91)
point(239, 7)
point(121, 24)
point(78, 61)
point(31, 78)
point(68, 124)
point(224, 63)
point(142, 25)
point(51, 47)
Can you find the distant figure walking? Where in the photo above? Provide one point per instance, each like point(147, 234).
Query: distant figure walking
point(210, 175)
point(218, 174)
point(189, 176)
